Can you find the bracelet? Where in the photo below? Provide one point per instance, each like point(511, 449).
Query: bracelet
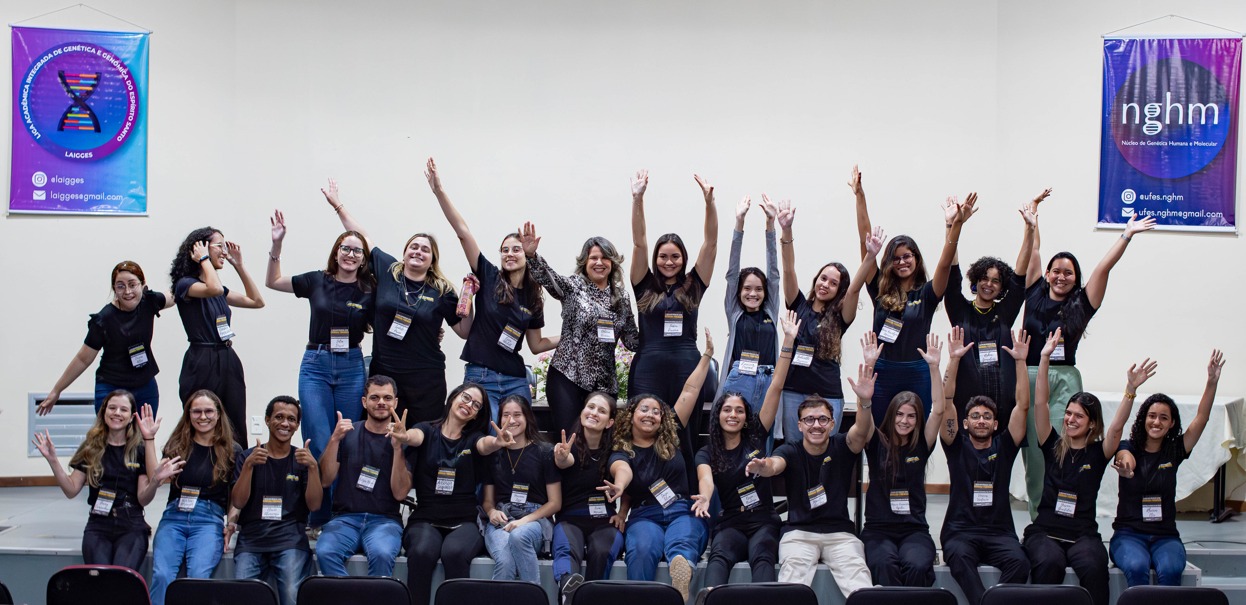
point(953, 243)
point(786, 241)
point(204, 257)
point(948, 225)
point(785, 357)
point(1125, 237)
point(865, 406)
point(276, 259)
point(1129, 395)
point(146, 439)
point(338, 208)
point(786, 350)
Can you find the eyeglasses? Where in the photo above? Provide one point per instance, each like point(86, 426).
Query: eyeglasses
point(986, 417)
point(476, 405)
point(350, 250)
point(818, 420)
point(903, 258)
point(218, 246)
point(204, 413)
point(127, 286)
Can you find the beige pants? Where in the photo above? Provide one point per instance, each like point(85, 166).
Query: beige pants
point(801, 551)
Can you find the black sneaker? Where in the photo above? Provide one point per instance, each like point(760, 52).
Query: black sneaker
point(567, 586)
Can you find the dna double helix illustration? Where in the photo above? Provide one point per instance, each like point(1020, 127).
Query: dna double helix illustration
point(79, 116)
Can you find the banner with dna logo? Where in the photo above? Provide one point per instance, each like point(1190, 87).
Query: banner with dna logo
point(79, 122)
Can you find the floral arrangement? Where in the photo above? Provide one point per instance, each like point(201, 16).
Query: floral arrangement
point(622, 364)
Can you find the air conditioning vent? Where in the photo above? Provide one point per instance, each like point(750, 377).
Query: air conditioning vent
point(67, 424)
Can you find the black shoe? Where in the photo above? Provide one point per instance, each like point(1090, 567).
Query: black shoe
point(701, 596)
point(567, 585)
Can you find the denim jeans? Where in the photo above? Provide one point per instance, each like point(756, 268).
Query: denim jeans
point(148, 393)
point(1135, 554)
point(341, 537)
point(790, 403)
point(752, 387)
point(283, 570)
point(329, 383)
point(497, 385)
point(577, 534)
point(514, 552)
point(897, 376)
point(197, 536)
point(654, 532)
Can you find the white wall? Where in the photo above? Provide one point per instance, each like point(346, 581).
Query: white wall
point(541, 111)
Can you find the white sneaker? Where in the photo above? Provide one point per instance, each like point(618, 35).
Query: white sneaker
point(681, 575)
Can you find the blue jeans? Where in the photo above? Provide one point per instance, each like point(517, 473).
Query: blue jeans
point(329, 383)
point(790, 402)
point(497, 385)
point(341, 537)
point(752, 387)
point(897, 376)
point(148, 393)
point(283, 570)
point(1135, 554)
point(197, 536)
point(654, 532)
point(514, 552)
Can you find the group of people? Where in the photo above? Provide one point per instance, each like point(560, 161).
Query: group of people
point(623, 476)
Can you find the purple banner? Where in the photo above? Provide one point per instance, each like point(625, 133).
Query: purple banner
point(79, 122)
point(1169, 132)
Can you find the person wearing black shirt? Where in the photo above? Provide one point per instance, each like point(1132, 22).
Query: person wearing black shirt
point(113, 460)
point(204, 305)
point(123, 331)
point(1145, 530)
point(276, 489)
point(193, 527)
point(978, 527)
point(373, 477)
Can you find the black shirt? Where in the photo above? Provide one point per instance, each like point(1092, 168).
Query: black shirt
point(427, 308)
point(968, 465)
point(907, 482)
point(832, 470)
point(531, 466)
point(1043, 316)
point(581, 480)
point(995, 380)
point(1155, 474)
point(440, 454)
point(278, 478)
point(756, 332)
point(652, 323)
point(483, 346)
point(918, 311)
point(120, 476)
point(118, 333)
point(200, 473)
point(647, 470)
point(822, 375)
point(1079, 474)
point(199, 315)
point(732, 486)
point(362, 448)
point(333, 305)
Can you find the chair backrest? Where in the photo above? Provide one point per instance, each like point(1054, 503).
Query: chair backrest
point(467, 591)
point(766, 592)
point(88, 583)
point(901, 595)
point(326, 590)
point(626, 592)
point(195, 591)
point(1035, 594)
point(1167, 595)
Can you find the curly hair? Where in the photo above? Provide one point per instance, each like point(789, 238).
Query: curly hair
point(1172, 445)
point(831, 323)
point(896, 445)
point(683, 289)
point(90, 453)
point(435, 277)
point(183, 438)
point(980, 268)
point(752, 434)
point(367, 281)
point(666, 445)
point(615, 279)
point(504, 292)
point(890, 294)
point(183, 265)
point(580, 448)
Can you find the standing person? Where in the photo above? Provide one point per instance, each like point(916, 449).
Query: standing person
point(510, 304)
point(588, 530)
point(204, 305)
point(1058, 301)
point(341, 298)
point(193, 527)
point(987, 319)
point(898, 547)
point(818, 473)
point(449, 460)
point(825, 315)
point(1144, 533)
point(904, 301)
point(123, 331)
point(413, 300)
point(113, 461)
point(278, 485)
point(979, 528)
point(596, 315)
point(1066, 533)
point(525, 491)
point(374, 478)
point(748, 528)
point(647, 468)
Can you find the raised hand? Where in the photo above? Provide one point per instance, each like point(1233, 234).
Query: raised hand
point(506, 438)
point(528, 239)
point(278, 222)
point(956, 345)
point(430, 173)
point(700, 506)
point(1215, 365)
point(967, 209)
point(331, 195)
point(1135, 226)
point(871, 349)
point(1053, 339)
point(787, 212)
point(1029, 215)
point(168, 469)
point(43, 443)
point(198, 250)
point(864, 385)
point(790, 324)
point(709, 343)
point(233, 253)
point(1020, 344)
point(1137, 374)
point(397, 426)
point(768, 208)
point(640, 183)
point(342, 427)
point(707, 189)
point(933, 351)
point(951, 207)
point(148, 424)
point(874, 242)
point(562, 449)
point(741, 208)
point(1038, 199)
point(304, 456)
point(258, 456)
point(854, 180)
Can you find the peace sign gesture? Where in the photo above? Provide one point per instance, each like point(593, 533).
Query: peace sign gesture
point(562, 450)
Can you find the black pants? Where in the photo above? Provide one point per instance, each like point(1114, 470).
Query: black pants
point(900, 559)
point(118, 539)
point(601, 545)
point(216, 367)
point(756, 539)
point(965, 551)
point(566, 399)
point(426, 544)
point(1087, 557)
point(422, 393)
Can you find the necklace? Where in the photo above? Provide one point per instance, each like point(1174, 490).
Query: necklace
point(515, 463)
point(419, 294)
point(983, 311)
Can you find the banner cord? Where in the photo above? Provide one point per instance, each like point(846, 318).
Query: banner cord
point(87, 6)
point(1171, 17)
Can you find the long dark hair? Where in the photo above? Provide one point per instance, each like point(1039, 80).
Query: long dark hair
point(480, 422)
point(1172, 445)
point(897, 447)
point(890, 295)
point(504, 293)
point(683, 289)
point(531, 431)
point(367, 281)
point(183, 265)
point(1073, 312)
point(752, 434)
point(831, 320)
point(979, 269)
point(580, 448)
point(759, 274)
point(181, 442)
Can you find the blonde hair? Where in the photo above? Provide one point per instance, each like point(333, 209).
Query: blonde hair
point(90, 453)
point(435, 278)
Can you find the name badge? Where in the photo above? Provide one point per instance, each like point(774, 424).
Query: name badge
point(891, 330)
point(983, 493)
point(367, 478)
point(1066, 503)
point(674, 325)
point(445, 481)
point(803, 356)
point(1058, 353)
point(1152, 509)
point(271, 509)
point(103, 502)
point(900, 504)
point(339, 340)
point(605, 330)
point(749, 361)
point(519, 493)
point(817, 496)
point(222, 328)
point(189, 498)
point(398, 329)
point(138, 356)
point(597, 507)
point(988, 352)
point(748, 496)
point(509, 338)
point(662, 492)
